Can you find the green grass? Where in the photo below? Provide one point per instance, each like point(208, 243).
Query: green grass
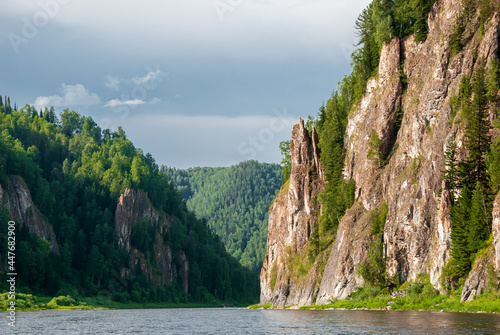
point(420, 296)
point(257, 306)
point(28, 302)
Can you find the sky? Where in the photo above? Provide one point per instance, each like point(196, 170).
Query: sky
point(193, 82)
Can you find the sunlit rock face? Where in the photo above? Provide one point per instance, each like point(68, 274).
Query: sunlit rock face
point(417, 233)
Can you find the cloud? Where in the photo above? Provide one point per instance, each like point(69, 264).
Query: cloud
point(155, 101)
point(118, 102)
point(72, 95)
point(150, 77)
point(112, 83)
point(211, 140)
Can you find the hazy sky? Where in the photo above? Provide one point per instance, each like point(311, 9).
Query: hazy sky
point(194, 82)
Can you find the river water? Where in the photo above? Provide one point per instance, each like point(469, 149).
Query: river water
point(242, 321)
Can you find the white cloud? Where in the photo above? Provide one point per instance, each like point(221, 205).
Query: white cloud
point(118, 102)
point(178, 27)
point(112, 83)
point(72, 95)
point(155, 101)
point(211, 140)
point(150, 77)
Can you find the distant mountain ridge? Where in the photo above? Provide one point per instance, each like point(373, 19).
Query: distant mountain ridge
point(235, 202)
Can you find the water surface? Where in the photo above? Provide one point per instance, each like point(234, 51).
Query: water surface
point(242, 321)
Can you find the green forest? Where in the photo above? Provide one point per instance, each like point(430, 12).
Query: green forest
point(476, 178)
point(75, 172)
point(235, 202)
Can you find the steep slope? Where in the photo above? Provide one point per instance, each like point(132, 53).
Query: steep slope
point(96, 216)
point(292, 219)
point(134, 210)
point(235, 203)
point(406, 173)
point(16, 200)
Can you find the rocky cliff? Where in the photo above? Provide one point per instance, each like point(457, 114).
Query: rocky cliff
point(162, 267)
point(409, 180)
point(16, 200)
point(292, 219)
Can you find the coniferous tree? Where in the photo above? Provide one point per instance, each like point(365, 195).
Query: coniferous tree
point(477, 138)
point(460, 251)
point(8, 107)
point(470, 214)
point(492, 80)
point(286, 162)
point(456, 37)
point(479, 221)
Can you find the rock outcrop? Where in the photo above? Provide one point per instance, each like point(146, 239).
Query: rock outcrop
point(496, 232)
point(135, 207)
point(292, 219)
point(409, 180)
point(479, 277)
point(16, 199)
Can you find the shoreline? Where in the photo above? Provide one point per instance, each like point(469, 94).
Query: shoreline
point(365, 309)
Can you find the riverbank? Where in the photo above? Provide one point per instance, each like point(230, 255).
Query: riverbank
point(29, 302)
point(417, 297)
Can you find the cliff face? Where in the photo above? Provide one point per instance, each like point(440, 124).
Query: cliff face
point(134, 207)
point(16, 199)
point(417, 230)
point(291, 222)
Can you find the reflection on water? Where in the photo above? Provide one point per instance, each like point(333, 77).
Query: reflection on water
point(241, 321)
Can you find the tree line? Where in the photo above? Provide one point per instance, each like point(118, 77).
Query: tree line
point(235, 202)
point(75, 172)
point(474, 180)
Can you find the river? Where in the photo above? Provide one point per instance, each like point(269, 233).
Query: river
point(242, 321)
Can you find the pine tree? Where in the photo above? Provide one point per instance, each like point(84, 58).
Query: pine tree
point(1, 101)
point(492, 84)
point(460, 217)
point(477, 138)
point(8, 107)
point(479, 222)
point(456, 37)
point(286, 161)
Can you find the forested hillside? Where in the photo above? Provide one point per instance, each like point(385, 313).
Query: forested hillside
point(75, 172)
point(235, 202)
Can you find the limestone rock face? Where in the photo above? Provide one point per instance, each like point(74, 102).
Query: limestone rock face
point(406, 175)
point(16, 199)
point(134, 206)
point(417, 231)
point(479, 277)
point(440, 252)
point(496, 232)
point(291, 222)
point(349, 250)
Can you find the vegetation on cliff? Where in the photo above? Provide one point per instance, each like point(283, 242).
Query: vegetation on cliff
point(378, 23)
point(75, 172)
point(235, 203)
point(472, 163)
point(472, 180)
